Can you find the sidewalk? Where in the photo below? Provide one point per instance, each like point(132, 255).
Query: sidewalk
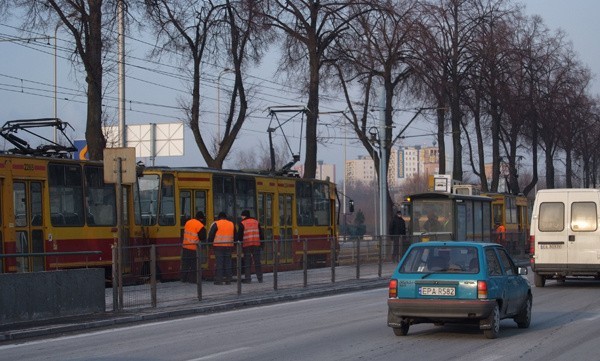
point(177, 299)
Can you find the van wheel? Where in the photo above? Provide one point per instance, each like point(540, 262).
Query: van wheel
point(539, 280)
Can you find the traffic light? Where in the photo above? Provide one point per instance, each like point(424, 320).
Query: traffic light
point(351, 205)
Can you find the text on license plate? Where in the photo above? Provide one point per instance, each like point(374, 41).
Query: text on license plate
point(550, 246)
point(437, 291)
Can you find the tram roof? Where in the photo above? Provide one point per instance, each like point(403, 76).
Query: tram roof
point(247, 172)
point(444, 195)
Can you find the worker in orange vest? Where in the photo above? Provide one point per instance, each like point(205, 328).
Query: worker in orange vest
point(250, 234)
point(222, 237)
point(193, 233)
point(500, 233)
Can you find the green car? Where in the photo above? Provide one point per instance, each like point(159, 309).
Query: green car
point(458, 282)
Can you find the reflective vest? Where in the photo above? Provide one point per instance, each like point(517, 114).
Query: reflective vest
point(190, 234)
point(224, 235)
point(251, 232)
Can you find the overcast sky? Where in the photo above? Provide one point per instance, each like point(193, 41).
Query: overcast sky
point(27, 68)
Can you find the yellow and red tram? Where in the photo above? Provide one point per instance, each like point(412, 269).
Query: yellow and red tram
point(52, 206)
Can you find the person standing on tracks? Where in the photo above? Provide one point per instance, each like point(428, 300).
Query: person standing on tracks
point(194, 232)
point(397, 231)
point(222, 237)
point(250, 233)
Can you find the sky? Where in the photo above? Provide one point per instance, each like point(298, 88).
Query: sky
point(27, 79)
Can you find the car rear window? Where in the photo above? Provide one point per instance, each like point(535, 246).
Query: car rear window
point(441, 259)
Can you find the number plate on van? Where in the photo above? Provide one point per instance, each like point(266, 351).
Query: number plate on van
point(550, 246)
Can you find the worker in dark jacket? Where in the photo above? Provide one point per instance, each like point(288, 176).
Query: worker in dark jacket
point(193, 233)
point(250, 234)
point(222, 237)
point(397, 231)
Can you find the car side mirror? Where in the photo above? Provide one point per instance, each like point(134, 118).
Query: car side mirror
point(523, 271)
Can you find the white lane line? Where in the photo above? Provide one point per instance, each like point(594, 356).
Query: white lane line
point(593, 318)
point(219, 354)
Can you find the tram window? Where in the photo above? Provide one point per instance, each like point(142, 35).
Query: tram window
point(478, 221)
point(185, 207)
point(223, 196)
point(146, 199)
point(66, 195)
point(20, 204)
point(304, 204)
point(100, 198)
point(321, 204)
point(245, 196)
point(36, 203)
point(167, 201)
point(469, 220)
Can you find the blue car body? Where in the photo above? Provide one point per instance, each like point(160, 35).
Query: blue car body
point(458, 282)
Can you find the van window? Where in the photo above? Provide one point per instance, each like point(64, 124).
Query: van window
point(584, 217)
point(552, 217)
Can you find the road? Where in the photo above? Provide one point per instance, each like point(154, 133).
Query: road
point(565, 326)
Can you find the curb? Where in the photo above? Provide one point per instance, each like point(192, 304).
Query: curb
point(73, 324)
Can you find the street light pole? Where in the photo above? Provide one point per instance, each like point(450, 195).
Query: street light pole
point(226, 70)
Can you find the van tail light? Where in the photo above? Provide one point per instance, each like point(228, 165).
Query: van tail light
point(393, 289)
point(482, 291)
point(531, 245)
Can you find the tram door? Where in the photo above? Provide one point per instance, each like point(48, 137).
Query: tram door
point(190, 202)
point(265, 218)
point(29, 235)
point(285, 227)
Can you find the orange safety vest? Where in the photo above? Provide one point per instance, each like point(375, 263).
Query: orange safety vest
point(251, 232)
point(190, 234)
point(224, 235)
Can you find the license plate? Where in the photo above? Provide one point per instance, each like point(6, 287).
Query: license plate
point(550, 246)
point(437, 291)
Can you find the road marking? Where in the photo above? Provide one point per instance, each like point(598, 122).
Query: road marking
point(219, 354)
point(593, 318)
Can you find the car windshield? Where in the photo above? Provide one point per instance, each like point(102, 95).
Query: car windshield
point(441, 259)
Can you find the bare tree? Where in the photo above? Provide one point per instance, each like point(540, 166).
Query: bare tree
point(310, 28)
point(85, 20)
point(210, 30)
point(375, 53)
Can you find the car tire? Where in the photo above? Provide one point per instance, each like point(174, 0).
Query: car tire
point(494, 321)
point(402, 330)
point(523, 319)
point(539, 280)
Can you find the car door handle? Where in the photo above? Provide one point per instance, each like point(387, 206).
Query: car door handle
point(571, 238)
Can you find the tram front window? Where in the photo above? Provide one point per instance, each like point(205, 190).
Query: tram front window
point(432, 217)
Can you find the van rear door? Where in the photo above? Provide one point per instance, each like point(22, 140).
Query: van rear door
point(583, 242)
point(552, 232)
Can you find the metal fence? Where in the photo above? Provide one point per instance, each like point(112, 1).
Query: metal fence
point(351, 258)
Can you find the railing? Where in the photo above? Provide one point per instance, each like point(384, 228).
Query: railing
point(347, 259)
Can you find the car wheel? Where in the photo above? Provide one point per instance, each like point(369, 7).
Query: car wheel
point(539, 280)
point(523, 319)
point(402, 330)
point(494, 321)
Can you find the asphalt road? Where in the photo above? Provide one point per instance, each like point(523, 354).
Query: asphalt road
point(351, 326)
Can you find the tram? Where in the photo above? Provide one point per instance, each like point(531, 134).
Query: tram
point(452, 211)
point(58, 213)
point(289, 209)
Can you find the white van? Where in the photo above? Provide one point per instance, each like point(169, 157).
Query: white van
point(564, 236)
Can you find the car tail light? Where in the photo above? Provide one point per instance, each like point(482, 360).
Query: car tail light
point(393, 289)
point(482, 289)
